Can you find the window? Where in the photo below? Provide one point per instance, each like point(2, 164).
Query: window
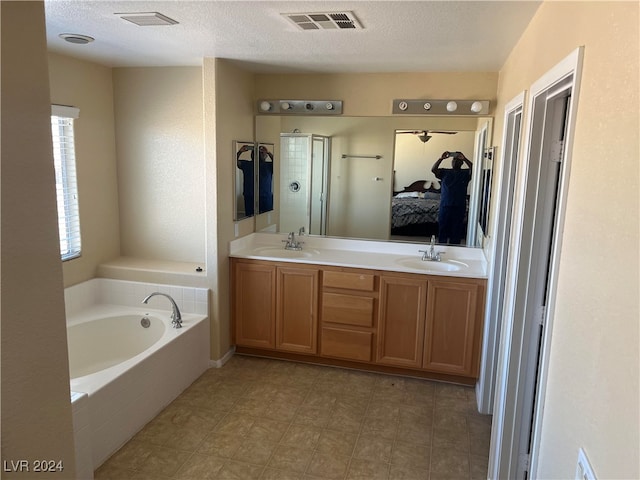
point(64, 161)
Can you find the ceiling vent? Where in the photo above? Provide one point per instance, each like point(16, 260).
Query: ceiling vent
point(147, 19)
point(324, 21)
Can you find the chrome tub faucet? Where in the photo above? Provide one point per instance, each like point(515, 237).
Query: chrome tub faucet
point(176, 317)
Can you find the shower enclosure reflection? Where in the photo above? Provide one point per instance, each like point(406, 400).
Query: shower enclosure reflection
point(304, 173)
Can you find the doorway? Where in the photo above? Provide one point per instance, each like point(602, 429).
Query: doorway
point(531, 275)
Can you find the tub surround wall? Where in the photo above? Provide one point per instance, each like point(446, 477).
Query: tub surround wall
point(154, 271)
point(130, 294)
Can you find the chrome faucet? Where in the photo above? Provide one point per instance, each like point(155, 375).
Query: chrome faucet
point(431, 255)
point(292, 243)
point(301, 231)
point(176, 317)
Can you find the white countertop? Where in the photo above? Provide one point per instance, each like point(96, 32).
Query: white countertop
point(376, 255)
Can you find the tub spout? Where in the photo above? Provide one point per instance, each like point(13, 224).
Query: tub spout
point(176, 317)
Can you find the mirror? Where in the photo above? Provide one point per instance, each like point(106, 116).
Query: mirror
point(346, 186)
point(430, 196)
point(245, 182)
point(265, 177)
point(244, 185)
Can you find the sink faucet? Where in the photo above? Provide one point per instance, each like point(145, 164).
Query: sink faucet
point(176, 317)
point(292, 243)
point(301, 231)
point(431, 255)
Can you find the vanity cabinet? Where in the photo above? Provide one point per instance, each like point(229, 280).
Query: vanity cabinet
point(275, 307)
point(401, 322)
point(297, 309)
point(425, 325)
point(453, 326)
point(433, 324)
point(254, 300)
point(348, 314)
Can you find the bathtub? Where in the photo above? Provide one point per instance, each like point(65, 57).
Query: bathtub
point(127, 372)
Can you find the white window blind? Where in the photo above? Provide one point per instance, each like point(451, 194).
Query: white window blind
point(64, 161)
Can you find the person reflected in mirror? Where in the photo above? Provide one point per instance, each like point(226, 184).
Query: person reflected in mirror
point(265, 180)
point(246, 165)
point(453, 196)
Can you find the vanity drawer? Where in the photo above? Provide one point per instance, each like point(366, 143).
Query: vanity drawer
point(347, 309)
point(348, 344)
point(349, 280)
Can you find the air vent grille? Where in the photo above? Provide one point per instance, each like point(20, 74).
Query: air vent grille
point(324, 21)
point(147, 19)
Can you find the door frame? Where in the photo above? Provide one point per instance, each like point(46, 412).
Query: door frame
point(486, 385)
point(508, 422)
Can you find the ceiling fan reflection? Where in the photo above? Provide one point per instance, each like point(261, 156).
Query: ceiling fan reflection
point(423, 135)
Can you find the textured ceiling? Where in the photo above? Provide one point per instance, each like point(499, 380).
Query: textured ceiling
point(397, 36)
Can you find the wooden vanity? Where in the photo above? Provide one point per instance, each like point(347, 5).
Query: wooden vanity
point(403, 323)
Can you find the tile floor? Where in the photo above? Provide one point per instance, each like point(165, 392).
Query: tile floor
point(268, 419)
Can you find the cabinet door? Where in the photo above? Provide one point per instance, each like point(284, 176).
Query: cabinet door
point(297, 310)
point(254, 302)
point(452, 328)
point(401, 321)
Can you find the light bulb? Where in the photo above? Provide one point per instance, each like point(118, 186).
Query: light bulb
point(285, 105)
point(265, 106)
point(452, 106)
point(476, 107)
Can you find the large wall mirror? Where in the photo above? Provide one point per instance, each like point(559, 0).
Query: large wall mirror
point(339, 176)
point(253, 178)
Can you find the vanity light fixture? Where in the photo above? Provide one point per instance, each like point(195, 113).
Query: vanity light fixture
point(299, 107)
point(440, 107)
point(476, 107)
point(265, 106)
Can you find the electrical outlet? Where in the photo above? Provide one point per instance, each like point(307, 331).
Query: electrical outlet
point(584, 471)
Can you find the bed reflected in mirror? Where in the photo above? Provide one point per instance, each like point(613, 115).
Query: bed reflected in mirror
point(417, 192)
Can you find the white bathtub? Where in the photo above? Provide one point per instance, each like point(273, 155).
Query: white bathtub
point(130, 373)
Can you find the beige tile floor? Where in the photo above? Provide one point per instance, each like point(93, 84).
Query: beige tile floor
point(269, 419)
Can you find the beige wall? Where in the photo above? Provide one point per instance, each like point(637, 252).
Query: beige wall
point(160, 161)
point(592, 390)
point(88, 86)
point(36, 407)
point(228, 114)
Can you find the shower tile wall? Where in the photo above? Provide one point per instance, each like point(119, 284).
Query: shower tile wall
point(294, 167)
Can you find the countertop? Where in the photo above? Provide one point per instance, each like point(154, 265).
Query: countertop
point(377, 255)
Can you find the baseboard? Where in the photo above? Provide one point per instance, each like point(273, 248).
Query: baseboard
point(225, 358)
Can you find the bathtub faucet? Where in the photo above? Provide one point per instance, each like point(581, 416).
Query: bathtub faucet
point(176, 318)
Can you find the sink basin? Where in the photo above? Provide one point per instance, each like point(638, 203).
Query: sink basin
point(442, 266)
point(280, 252)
